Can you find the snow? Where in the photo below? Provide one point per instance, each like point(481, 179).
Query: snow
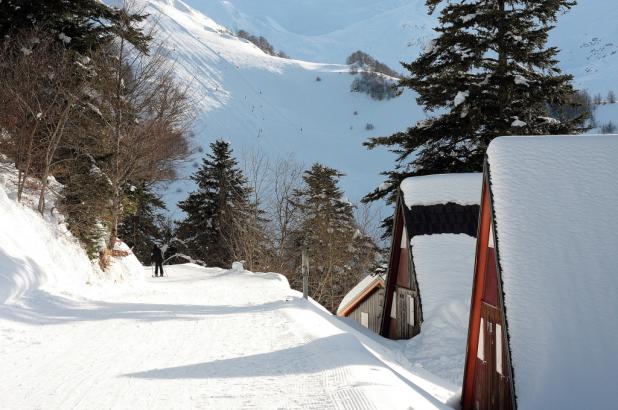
point(549, 120)
point(34, 253)
point(444, 267)
point(238, 266)
point(460, 98)
point(64, 38)
point(604, 114)
point(365, 283)
point(521, 80)
point(199, 338)
point(555, 208)
point(467, 18)
point(462, 189)
point(39, 254)
point(124, 268)
point(518, 123)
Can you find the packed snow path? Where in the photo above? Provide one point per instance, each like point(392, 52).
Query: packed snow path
point(200, 338)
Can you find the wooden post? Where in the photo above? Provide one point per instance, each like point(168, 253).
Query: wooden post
point(305, 270)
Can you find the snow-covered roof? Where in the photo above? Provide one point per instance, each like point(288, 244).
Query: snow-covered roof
point(555, 201)
point(445, 285)
point(366, 283)
point(463, 189)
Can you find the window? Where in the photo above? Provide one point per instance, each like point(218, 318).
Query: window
point(480, 353)
point(499, 349)
point(394, 306)
point(404, 238)
point(365, 319)
point(410, 310)
point(491, 236)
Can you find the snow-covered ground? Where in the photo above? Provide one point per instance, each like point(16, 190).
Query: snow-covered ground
point(199, 338)
point(73, 336)
point(444, 266)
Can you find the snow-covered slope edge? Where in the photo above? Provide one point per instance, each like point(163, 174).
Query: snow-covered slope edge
point(38, 252)
point(33, 253)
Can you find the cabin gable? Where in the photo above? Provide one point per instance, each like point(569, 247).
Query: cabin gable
point(403, 309)
point(368, 308)
point(401, 318)
point(488, 373)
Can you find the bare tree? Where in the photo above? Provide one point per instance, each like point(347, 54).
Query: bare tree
point(41, 91)
point(286, 178)
point(368, 219)
point(611, 97)
point(145, 115)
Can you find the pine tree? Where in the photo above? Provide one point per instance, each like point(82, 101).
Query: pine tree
point(82, 25)
point(336, 249)
point(216, 210)
point(141, 227)
point(84, 200)
point(487, 74)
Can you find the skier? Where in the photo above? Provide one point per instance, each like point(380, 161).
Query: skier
point(156, 257)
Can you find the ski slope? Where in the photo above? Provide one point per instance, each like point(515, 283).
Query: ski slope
point(199, 338)
point(260, 102)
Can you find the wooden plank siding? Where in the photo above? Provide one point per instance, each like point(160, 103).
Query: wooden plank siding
point(372, 306)
point(478, 289)
point(388, 325)
point(488, 373)
point(408, 324)
point(492, 384)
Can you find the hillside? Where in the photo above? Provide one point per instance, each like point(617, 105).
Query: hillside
point(256, 100)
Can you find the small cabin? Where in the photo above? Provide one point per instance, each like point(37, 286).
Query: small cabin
point(543, 325)
point(435, 223)
point(364, 302)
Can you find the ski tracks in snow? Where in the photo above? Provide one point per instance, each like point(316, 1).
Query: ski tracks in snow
point(201, 338)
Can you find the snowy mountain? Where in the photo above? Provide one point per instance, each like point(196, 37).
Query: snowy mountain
point(255, 100)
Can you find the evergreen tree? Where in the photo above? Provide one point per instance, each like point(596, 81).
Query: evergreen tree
point(141, 227)
point(85, 196)
point(487, 74)
point(216, 210)
point(80, 24)
point(339, 254)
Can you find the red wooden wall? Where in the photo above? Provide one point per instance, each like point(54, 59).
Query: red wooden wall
point(487, 383)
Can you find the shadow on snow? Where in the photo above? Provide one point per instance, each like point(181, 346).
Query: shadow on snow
point(40, 308)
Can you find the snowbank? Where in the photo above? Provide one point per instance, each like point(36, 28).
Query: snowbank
point(555, 202)
point(124, 267)
point(35, 253)
point(444, 270)
point(462, 189)
point(38, 251)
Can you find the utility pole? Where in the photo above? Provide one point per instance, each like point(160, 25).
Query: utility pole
point(305, 270)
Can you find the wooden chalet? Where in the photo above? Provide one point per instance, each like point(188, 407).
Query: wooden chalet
point(427, 205)
point(543, 327)
point(364, 302)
